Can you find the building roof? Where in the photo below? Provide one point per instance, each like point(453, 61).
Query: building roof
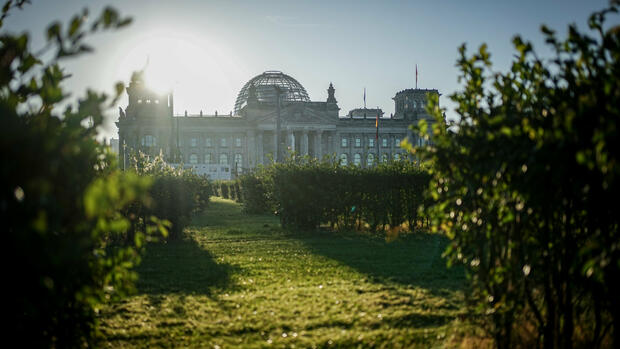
point(265, 86)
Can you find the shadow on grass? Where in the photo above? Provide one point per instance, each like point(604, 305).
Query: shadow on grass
point(414, 259)
point(416, 320)
point(181, 267)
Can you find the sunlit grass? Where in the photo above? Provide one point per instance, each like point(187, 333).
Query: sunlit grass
point(240, 280)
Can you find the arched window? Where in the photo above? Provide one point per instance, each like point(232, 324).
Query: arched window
point(384, 157)
point(415, 105)
point(193, 159)
point(370, 159)
point(396, 156)
point(208, 158)
point(344, 159)
point(223, 159)
point(357, 159)
point(238, 160)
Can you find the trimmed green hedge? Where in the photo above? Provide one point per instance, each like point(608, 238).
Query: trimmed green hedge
point(176, 194)
point(308, 193)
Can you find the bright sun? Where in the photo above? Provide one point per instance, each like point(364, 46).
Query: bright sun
point(198, 71)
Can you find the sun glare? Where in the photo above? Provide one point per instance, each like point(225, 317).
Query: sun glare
point(195, 69)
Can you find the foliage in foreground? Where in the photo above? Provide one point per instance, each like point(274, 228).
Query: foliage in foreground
point(306, 193)
point(62, 195)
point(526, 183)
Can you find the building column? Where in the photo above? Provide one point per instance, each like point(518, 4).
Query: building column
point(304, 142)
point(249, 153)
point(336, 144)
point(259, 148)
point(290, 140)
point(231, 152)
point(275, 146)
point(317, 144)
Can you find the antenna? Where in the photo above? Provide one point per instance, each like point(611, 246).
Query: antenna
point(416, 76)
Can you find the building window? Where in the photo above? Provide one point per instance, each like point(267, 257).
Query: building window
point(357, 159)
point(344, 142)
point(397, 142)
point(148, 140)
point(193, 142)
point(370, 159)
point(396, 156)
point(344, 159)
point(208, 142)
point(371, 142)
point(223, 159)
point(193, 159)
point(384, 157)
point(237, 141)
point(208, 158)
point(358, 142)
point(415, 105)
point(238, 160)
point(139, 101)
point(384, 142)
point(223, 142)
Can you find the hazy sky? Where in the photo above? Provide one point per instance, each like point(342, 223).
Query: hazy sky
point(207, 50)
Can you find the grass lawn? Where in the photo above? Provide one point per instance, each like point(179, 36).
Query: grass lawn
point(241, 281)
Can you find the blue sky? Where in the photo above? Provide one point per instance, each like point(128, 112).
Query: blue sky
point(206, 50)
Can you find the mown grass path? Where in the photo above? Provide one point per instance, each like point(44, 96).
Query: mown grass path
point(241, 281)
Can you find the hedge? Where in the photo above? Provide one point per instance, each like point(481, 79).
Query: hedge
point(308, 193)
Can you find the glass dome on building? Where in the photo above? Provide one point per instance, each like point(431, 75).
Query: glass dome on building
point(266, 83)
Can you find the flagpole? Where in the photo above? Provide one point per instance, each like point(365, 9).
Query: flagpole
point(377, 139)
point(364, 97)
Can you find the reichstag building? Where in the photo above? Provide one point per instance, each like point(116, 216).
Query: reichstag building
point(273, 117)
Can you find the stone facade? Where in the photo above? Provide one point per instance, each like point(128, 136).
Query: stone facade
point(261, 128)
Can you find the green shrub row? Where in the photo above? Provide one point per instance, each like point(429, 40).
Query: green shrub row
point(176, 194)
point(230, 189)
point(306, 193)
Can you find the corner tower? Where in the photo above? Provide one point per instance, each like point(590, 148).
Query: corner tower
point(146, 124)
point(410, 104)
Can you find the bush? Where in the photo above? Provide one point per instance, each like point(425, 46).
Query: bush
point(306, 193)
point(256, 190)
point(526, 183)
point(62, 196)
point(177, 194)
